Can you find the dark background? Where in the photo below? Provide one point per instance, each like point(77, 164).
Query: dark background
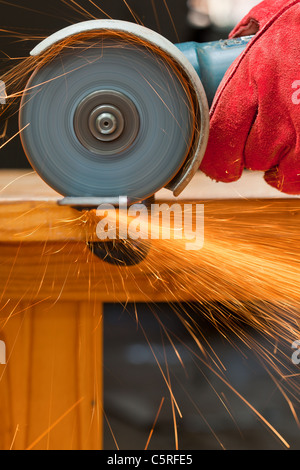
point(134, 387)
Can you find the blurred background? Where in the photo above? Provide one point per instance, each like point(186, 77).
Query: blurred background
point(213, 417)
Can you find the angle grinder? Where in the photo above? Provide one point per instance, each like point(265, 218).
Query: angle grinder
point(115, 109)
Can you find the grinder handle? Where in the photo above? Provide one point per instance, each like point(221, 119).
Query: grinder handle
point(211, 60)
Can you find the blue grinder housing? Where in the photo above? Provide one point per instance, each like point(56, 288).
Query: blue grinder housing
point(211, 60)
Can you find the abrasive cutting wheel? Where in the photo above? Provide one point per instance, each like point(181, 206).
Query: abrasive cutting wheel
point(113, 109)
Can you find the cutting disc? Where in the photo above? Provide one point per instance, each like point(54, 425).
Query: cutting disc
point(107, 118)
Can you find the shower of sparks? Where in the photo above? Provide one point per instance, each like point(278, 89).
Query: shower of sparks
point(242, 277)
point(236, 282)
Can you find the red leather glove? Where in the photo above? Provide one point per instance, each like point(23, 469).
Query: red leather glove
point(255, 119)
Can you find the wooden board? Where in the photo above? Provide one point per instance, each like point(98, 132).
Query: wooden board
point(29, 211)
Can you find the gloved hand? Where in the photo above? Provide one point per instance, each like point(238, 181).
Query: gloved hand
point(255, 116)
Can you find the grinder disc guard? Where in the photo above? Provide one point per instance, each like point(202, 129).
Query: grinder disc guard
point(107, 118)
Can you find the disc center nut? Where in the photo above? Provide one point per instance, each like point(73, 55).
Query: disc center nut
point(106, 123)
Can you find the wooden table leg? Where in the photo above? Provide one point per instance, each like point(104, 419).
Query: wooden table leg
point(51, 386)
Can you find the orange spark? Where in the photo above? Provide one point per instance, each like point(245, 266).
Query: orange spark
point(154, 424)
point(45, 433)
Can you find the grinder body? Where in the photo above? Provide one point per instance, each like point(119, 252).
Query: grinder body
point(154, 97)
point(211, 60)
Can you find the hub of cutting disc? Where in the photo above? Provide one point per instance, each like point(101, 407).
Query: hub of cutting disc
point(106, 122)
